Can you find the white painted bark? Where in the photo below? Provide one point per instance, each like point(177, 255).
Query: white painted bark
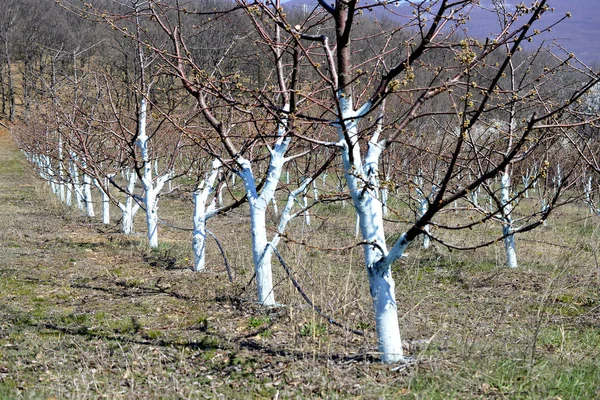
point(130, 207)
point(61, 171)
point(151, 204)
point(305, 205)
point(474, 197)
point(258, 207)
point(258, 231)
point(69, 194)
point(422, 209)
point(77, 186)
point(370, 213)
point(220, 196)
point(201, 214)
point(275, 207)
point(544, 208)
point(152, 187)
point(588, 196)
point(509, 237)
point(384, 194)
point(48, 173)
point(384, 201)
point(526, 179)
point(105, 201)
point(87, 195)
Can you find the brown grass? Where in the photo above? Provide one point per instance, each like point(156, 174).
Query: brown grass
point(88, 313)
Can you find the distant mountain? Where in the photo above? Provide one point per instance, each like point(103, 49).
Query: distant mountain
point(579, 34)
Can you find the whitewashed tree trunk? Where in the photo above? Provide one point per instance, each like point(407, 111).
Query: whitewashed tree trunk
point(77, 186)
point(305, 205)
point(87, 195)
point(275, 207)
point(151, 204)
point(370, 213)
point(384, 193)
point(384, 201)
point(48, 174)
point(261, 257)
point(201, 214)
point(526, 179)
point(509, 237)
point(69, 194)
point(151, 187)
point(422, 209)
point(588, 195)
point(544, 207)
point(534, 173)
point(258, 230)
point(130, 207)
point(474, 195)
point(258, 207)
point(220, 195)
point(105, 201)
point(61, 171)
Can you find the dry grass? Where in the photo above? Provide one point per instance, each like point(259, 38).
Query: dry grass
point(88, 313)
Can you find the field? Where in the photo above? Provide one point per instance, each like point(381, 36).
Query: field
point(86, 312)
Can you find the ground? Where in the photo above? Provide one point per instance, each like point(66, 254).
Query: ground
point(86, 312)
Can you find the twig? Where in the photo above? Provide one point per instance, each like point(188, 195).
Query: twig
point(227, 267)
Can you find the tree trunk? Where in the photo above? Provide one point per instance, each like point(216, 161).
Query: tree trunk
point(199, 234)
point(87, 195)
point(201, 214)
point(77, 187)
point(260, 255)
point(370, 213)
point(509, 237)
point(130, 208)
point(151, 190)
point(151, 203)
point(105, 201)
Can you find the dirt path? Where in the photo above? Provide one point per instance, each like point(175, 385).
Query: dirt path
point(22, 212)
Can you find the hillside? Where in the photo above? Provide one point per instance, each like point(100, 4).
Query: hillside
point(577, 34)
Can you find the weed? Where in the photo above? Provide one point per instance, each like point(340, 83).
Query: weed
point(152, 334)
point(313, 329)
point(266, 333)
point(257, 322)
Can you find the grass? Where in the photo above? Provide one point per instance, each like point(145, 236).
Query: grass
point(88, 313)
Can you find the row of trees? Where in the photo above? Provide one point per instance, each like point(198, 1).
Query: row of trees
point(403, 110)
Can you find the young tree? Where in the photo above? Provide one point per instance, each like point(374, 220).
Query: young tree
point(255, 127)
